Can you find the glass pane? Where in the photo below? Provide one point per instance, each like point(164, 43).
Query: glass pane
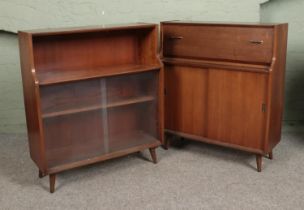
point(71, 97)
point(134, 121)
point(73, 137)
point(72, 119)
point(87, 119)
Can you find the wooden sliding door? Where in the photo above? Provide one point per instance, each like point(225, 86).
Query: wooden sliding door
point(236, 107)
point(185, 104)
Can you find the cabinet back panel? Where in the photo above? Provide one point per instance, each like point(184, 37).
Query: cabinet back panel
point(278, 81)
point(185, 102)
point(235, 112)
point(87, 50)
point(218, 42)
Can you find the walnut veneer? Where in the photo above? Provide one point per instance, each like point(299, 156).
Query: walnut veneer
point(225, 83)
point(91, 94)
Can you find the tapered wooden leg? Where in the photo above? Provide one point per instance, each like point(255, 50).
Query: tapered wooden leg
point(270, 155)
point(259, 162)
point(40, 174)
point(153, 155)
point(52, 182)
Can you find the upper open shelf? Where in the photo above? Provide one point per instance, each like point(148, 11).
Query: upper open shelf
point(84, 53)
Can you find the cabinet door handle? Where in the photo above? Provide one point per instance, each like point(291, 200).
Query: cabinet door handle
point(176, 37)
point(256, 41)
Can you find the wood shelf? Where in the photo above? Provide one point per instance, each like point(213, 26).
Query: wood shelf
point(131, 101)
point(62, 76)
point(69, 157)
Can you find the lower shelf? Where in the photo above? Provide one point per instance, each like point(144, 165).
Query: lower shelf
point(65, 158)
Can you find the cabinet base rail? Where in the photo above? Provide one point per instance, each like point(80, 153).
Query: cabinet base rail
point(52, 176)
point(259, 154)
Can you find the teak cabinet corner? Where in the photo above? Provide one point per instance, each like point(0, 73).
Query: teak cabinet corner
point(225, 83)
point(91, 94)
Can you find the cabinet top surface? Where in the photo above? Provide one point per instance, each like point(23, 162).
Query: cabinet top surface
point(244, 24)
point(84, 29)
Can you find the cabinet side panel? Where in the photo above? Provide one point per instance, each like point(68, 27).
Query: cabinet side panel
point(278, 86)
point(161, 104)
point(30, 92)
point(185, 101)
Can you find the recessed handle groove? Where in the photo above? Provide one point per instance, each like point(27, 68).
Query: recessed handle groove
point(256, 41)
point(176, 37)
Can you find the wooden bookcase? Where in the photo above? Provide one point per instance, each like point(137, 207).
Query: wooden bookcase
point(224, 83)
point(91, 94)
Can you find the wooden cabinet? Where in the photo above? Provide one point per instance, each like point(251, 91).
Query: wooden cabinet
point(91, 94)
point(225, 83)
